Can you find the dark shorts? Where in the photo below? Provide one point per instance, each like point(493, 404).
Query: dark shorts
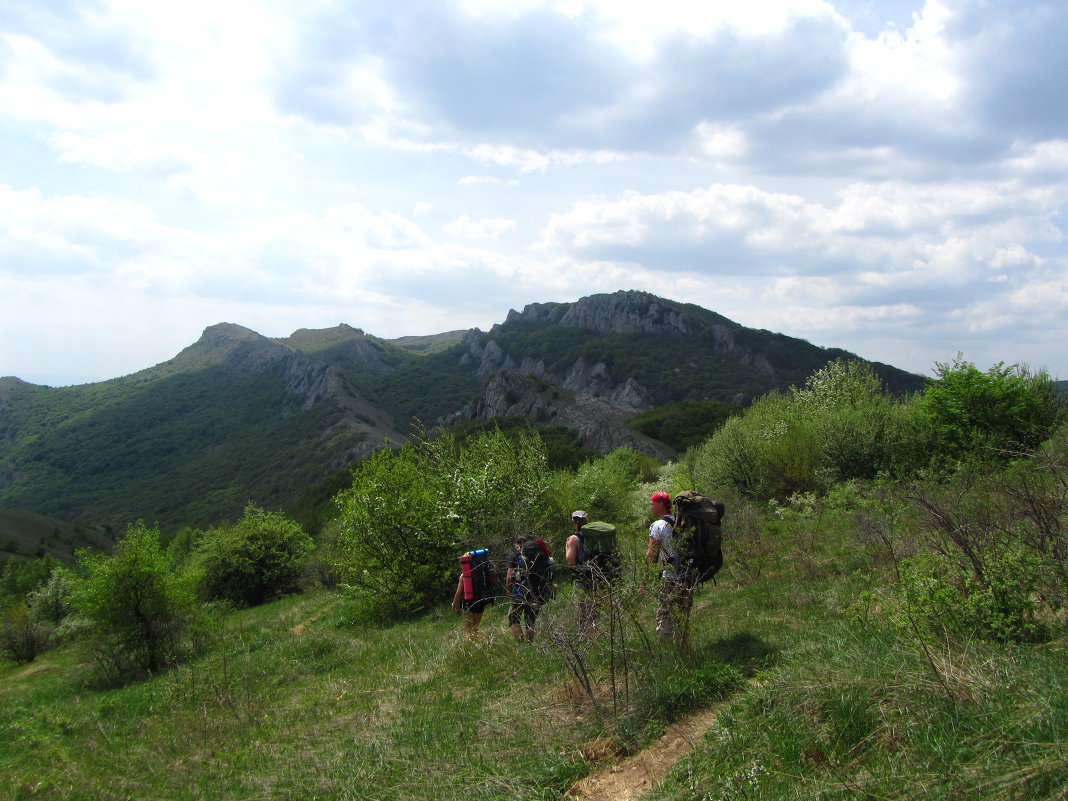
point(521, 609)
point(476, 607)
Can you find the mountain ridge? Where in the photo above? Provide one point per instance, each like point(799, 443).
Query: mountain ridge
point(238, 416)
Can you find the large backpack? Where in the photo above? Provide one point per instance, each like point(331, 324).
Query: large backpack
point(535, 572)
point(598, 555)
point(697, 535)
point(477, 576)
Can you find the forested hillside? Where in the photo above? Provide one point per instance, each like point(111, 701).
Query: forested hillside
point(238, 417)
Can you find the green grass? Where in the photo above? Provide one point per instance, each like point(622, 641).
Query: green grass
point(298, 700)
point(859, 715)
point(331, 711)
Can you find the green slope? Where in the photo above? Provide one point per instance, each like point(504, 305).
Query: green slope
point(193, 448)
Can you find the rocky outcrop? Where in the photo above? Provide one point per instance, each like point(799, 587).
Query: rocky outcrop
point(584, 377)
point(600, 422)
point(343, 346)
point(233, 346)
point(624, 312)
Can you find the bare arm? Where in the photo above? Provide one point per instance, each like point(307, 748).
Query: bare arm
point(458, 594)
point(652, 553)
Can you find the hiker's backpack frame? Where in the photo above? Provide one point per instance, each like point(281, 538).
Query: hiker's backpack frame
point(698, 536)
point(476, 575)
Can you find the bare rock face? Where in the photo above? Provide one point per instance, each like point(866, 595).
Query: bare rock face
point(624, 312)
point(618, 313)
point(599, 421)
point(583, 377)
point(310, 380)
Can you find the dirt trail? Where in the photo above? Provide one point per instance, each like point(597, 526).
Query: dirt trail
point(299, 628)
point(628, 779)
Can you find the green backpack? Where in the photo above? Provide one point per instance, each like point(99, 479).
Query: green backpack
point(598, 555)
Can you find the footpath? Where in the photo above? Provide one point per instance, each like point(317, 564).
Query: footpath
point(628, 779)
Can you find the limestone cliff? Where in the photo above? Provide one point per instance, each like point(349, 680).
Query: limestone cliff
point(600, 422)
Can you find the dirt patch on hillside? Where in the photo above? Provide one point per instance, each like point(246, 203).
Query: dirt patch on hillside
point(32, 670)
point(299, 628)
point(628, 779)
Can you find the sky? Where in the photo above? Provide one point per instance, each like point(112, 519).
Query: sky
point(885, 176)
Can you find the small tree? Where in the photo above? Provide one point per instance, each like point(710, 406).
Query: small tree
point(51, 603)
point(21, 637)
point(993, 416)
point(253, 561)
point(139, 611)
point(411, 513)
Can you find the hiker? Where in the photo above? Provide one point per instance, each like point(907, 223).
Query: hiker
point(474, 588)
point(676, 591)
point(528, 582)
point(591, 553)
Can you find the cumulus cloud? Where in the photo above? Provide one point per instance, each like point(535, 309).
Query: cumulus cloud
point(878, 174)
point(486, 228)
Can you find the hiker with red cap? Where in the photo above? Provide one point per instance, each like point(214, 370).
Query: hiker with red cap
point(676, 592)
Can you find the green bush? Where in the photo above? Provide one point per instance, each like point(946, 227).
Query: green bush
point(21, 576)
point(772, 451)
point(140, 613)
point(936, 599)
point(841, 425)
point(52, 603)
point(21, 637)
point(412, 512)
point(993, 416)
point(602, 487)
point(257, 559)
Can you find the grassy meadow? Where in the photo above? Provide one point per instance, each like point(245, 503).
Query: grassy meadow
point(890, 624)
point(299, 699)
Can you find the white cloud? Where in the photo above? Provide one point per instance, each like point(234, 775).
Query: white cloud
point(474, 180)
point(485, 228)
point(798, 166)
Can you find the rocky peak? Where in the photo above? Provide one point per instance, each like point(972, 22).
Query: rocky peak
point(342, 346)
point(623, 312)
point(233, 346)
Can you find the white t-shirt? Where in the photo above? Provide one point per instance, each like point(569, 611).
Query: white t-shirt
point(660, 531)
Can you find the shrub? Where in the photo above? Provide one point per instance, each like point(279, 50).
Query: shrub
point(772, 451)
point(937, 599)
point(139, 612)
point(51, 603)
point(21, 576)
point(259, 558)
point(994, 416)
point(412, 512)
point(21, 638)
point(602, 487)
point(841, 425)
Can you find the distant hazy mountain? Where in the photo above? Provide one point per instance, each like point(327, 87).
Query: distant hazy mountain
point(238, 417)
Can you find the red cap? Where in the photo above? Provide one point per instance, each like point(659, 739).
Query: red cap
point(661, 497)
